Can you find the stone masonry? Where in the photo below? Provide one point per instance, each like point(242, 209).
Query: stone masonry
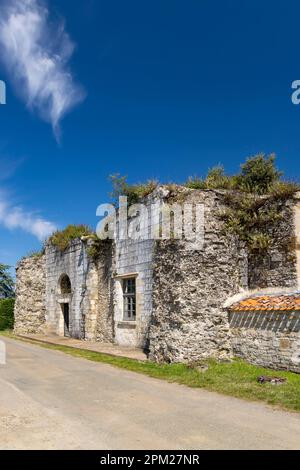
point(267, 338)
point(90, 285)
point(190, 287)
point(182, 287)
point(30, 307)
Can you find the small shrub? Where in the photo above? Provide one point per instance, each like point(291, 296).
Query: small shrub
point(284, 190)
point(251, 217)
point(216, 179)
point(7, 314)
point(259, 242)
point(62, 239)
point(35, 254)
point(97, 248)
point(258, 174)
point(195, 183)
point(134, 192)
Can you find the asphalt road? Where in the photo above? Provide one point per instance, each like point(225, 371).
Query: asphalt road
point(49, 400)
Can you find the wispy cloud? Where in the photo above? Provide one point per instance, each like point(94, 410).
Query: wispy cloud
point(14, 217)
point(8, 167)
point(36, 54)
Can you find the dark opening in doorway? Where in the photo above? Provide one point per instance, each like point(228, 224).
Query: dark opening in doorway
point(66, 314)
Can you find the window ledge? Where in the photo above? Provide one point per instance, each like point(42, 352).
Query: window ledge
point(127, 325)
point(125, 276)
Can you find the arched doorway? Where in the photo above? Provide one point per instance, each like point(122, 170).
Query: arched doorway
point(65, 291)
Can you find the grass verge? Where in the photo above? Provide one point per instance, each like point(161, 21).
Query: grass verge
point(237, 379)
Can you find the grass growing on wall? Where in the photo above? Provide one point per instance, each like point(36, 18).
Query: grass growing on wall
point(62, 239)
point(237, 379)
point(134, 192)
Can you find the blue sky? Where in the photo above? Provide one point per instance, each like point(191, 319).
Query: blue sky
point(162, 89)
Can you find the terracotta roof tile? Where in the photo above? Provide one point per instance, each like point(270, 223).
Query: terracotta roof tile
point(285, 302)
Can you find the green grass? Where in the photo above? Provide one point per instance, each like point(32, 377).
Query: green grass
point(238, 379)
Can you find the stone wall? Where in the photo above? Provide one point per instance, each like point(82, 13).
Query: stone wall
point(30, 307)
point(181, 286)
point(296, 220)
point(269, 339)
point(190, 287)
point(105, 316)
point(134, 257)
point(90, 298)
point(277, 267)
point(72, 262)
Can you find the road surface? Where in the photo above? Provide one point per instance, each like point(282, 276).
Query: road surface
point(49, 400)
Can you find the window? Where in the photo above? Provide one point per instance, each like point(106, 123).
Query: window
point(129, 298)
point(65, 285)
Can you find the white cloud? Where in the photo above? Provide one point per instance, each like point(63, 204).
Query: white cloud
point(17, 218)
point(8, 167)
point(36, 54)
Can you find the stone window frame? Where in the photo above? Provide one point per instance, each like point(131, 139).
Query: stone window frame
point(121, 321)
point(129, 299)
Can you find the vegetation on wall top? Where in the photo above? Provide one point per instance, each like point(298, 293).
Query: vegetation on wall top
point(252, 218)
point(98, 248)
point(258, 175)
point(62, 239)
point(35, 254)
point(251, 202)
point(134, 192)
point(257, 207)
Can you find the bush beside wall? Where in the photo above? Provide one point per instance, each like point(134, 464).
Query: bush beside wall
point(7, 314)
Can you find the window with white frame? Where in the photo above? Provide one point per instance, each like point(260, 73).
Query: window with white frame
point(129, 299)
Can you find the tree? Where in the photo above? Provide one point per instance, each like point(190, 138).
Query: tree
point(7, 314)
point(6, 283)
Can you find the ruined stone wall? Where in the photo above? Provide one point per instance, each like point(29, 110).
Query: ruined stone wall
point(181, 287)
point(278, 266)
point(296, 220)
point(30, 306)
point(73, 263)
point(105, 315)
point(90, 303)
point(190, 287)
point(269, 339)
point(134, 258)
